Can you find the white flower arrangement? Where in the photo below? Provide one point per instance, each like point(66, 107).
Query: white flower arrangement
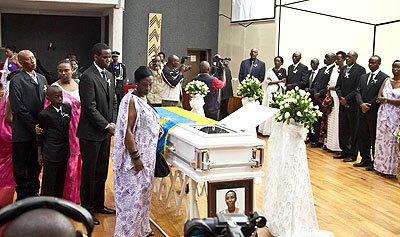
point(250, 87)
point(296, 106)
point(197, 88)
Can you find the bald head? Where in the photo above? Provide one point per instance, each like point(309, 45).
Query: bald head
point(40, 222)
point(173, 61)
point(351, 58)
point(296, 57)
point(27, 60)
point(253, 53)
point(329, 58)
point(314, 63)
point(204, 67)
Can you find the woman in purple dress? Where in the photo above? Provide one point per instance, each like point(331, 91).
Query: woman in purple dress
point(386, 153)
point(134, 155)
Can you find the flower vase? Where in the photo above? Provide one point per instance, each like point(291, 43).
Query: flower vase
point(197, 103)
point(288, 202)
point(246, 100)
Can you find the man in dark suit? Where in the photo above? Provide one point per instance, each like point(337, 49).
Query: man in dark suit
point(297, 73)
point(313, 76)
point(119, 71)
point(346, 86)
point(53, 143)
point(96, 126)
point(366, 95)
point(318, 93)
point(252, 66)
point(27, 94)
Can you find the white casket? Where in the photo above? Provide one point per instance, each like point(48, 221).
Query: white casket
point(227, 146)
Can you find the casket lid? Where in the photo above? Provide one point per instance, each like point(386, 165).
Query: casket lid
point(248, 117)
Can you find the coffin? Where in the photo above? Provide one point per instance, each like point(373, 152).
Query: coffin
point(228, 145)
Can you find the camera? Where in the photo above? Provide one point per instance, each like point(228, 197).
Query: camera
point(183, 59)
point(218, 61)
point(225, 225)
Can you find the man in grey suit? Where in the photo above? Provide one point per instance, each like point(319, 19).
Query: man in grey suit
point(96, 126)
point(27, 94)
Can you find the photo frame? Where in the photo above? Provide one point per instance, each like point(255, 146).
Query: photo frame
point(217, 191)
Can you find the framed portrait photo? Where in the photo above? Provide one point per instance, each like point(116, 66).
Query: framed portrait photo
point(230, 197)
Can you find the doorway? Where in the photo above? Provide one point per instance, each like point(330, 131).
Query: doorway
point(195, 57)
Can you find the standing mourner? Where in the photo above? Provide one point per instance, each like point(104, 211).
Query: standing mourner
point(386, 153)
point(119, 71)
point(252, 66)
point(27, 94)
point(134, 158)
point(95, 129)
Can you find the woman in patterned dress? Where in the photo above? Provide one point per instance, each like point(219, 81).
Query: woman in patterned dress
point(134, 155)
point(386, 153)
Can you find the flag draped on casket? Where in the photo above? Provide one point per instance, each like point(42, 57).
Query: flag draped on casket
point(170, 117)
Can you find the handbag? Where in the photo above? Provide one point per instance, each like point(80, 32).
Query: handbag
point(161, 169)
point(328, 103)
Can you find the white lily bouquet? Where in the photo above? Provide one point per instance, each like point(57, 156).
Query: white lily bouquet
point(250, 87)
point(197, 88)
point(296, 106)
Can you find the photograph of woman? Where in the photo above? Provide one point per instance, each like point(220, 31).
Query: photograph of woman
point(230, 199)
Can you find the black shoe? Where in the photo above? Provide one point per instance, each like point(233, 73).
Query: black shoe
point(362, 164)
point(325, 148)
point(370, 168)
point(95, 221)
point(339, 156)
point(316, 144)
point(105, 210)
point(307, 141)
point(349, 159)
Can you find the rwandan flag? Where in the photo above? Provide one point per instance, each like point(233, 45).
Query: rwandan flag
point(170, 117)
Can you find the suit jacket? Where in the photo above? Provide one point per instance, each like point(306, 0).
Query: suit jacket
point(258, 70)
point(98, 104)
point(116, 71)
point(54, 139)
point(322, 83)
point(297, 77)
point(315, 81)
point(26, 100)
point(368, 93)
point(347, 85)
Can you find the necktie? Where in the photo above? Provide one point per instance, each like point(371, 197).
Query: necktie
point(311, 79)
point(103, 74)
point(251, 67)
point(370, 79)
point(61, 116)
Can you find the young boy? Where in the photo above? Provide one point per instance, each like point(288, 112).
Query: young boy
point(53, 143)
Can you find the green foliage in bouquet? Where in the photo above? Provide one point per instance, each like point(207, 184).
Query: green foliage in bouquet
point(296, 106)
point(250, 87)
point(197, 88)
